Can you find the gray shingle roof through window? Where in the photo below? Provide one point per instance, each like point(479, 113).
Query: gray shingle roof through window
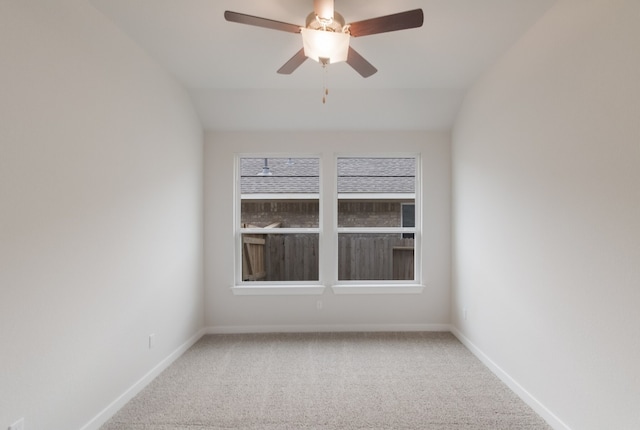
point(371, 184)
point(280, 185)
point(376, 167)
point(301, 175)
point(288, 167)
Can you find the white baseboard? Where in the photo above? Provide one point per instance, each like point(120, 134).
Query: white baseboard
point(326, 328)
point(131, 392)
point(530, 400)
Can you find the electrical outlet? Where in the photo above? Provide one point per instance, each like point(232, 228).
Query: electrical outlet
point(18, 425)
point(152, 340)
point(319, 304)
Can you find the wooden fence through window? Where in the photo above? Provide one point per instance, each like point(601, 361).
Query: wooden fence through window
point(253, 254)
point(294, 257)
point(367, 257)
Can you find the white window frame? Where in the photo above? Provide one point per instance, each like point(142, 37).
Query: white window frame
point(328, 231)
point(242, 287)
point(382, 286)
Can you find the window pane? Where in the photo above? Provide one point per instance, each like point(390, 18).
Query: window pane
point(370, 213)
point(281, 191)
point(408, 218)
point(371, 191)
point(373, 256)
point(280, 213)
point(280, 257)
point(376, 175)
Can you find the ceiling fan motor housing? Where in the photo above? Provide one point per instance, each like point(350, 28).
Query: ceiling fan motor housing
point(336, 24)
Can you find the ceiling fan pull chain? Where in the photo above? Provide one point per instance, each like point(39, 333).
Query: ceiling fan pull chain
point(325, 90)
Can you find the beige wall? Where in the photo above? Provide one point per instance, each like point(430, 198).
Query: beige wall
point(227, 312)
point(546, 165)
point(100, 214)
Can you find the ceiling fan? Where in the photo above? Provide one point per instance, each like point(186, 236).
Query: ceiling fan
point(325, 36)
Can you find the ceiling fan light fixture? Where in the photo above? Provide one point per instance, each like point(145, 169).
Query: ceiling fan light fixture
point(320, 44)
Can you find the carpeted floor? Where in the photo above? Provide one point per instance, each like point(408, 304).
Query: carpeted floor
point(327, 381)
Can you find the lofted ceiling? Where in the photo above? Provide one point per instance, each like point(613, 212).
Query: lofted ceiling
point(229, 69)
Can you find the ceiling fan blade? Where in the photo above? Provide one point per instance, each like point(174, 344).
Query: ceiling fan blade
point(242, 18)
point(323, 9)
point(293, 63)
point(359, 64)
point(383, 24)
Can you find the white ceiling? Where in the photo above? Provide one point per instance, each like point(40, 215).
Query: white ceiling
point(230, 69)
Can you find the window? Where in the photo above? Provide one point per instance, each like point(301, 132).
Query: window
point(279, 219)
point(408, 218)
point(376, 201)
point(284, 246)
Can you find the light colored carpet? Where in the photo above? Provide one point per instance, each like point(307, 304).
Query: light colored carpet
point(327, 381)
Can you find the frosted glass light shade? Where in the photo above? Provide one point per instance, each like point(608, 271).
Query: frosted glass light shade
point(325, 44)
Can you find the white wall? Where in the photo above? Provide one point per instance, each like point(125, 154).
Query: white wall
point(100, 214)
point(226, 312)
point(546, 185)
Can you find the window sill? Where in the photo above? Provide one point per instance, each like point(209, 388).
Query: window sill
point(278, 290)
point(316, 290)
point(378, 289)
